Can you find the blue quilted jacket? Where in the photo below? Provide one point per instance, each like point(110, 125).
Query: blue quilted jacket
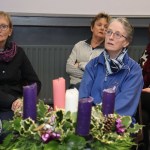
point(129, 81)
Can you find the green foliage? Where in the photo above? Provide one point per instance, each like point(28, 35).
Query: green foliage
point(26, 134)
point(126, 121)
point(112, 140)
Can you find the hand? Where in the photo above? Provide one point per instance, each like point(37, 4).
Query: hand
point(82, 65)
point(76, 65)
point(146, 90)
point(17, 104)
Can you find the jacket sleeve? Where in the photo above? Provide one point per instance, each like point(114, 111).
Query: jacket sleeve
point(71, 69)
point(82, 65)
point(87, 80)
point(29, 75)
point(128, 96)
point(6, 100)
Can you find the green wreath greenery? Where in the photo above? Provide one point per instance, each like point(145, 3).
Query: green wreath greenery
point(55, 130)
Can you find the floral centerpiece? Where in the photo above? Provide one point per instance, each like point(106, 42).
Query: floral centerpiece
point(55, 130)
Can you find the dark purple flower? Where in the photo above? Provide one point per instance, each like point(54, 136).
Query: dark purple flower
point(45, 137)
point(48, 136)
point(119, 127)
point(55, 135)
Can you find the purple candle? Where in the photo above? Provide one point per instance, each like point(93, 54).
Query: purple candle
point(30, 100)
point(108, 101)
point(84, 116)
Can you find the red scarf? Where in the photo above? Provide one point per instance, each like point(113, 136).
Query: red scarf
point(9, 52)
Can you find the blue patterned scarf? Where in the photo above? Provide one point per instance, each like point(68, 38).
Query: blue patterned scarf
point(114, 65)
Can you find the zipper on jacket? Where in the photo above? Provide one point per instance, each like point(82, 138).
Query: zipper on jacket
point(106, 77)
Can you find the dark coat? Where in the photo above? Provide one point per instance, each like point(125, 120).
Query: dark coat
point(13, 76)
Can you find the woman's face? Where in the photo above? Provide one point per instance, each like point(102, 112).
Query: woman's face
point(5, 30)
point(99, 28)
point(115, 39)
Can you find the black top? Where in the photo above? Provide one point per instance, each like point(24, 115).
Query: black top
point(13, 76)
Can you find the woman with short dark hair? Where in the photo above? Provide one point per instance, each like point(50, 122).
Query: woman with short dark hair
point(85, 50)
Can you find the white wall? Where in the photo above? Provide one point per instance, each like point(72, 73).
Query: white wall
point(131, 8)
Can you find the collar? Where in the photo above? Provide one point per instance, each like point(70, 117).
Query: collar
point(101, 60)
point(88, 41)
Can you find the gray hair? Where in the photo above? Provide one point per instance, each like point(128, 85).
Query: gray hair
point(127, 26)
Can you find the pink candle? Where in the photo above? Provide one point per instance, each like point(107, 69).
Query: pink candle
point(29, 101)
point(59, 89)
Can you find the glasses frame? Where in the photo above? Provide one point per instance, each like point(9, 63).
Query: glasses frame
point(117, 35)
point(4, 27)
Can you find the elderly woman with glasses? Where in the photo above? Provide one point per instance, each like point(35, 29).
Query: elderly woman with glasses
point(16, 70)
point(114, 67)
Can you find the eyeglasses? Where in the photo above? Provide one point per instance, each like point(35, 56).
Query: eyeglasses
point(3, 27)
point(117, 35)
